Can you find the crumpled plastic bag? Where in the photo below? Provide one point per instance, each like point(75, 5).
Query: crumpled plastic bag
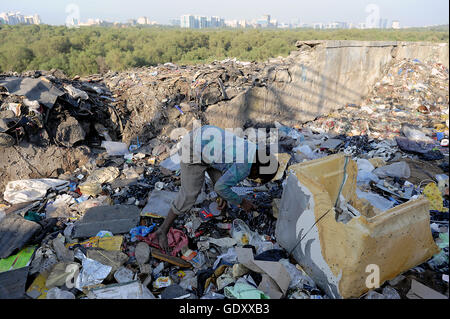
point(28, 190)
point(399, 169)
point(230, 257)
point(92, 185)
point(298, 279)
point(365, 174)
point(141, 231)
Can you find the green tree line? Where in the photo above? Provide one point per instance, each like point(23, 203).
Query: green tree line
point(88, 50)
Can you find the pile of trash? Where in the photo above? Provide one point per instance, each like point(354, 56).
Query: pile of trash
point(154, 101)
point(89, 232)
point(54, 121)
point(46, 108)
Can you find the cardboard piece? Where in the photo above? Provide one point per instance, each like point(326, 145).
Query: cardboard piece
point(420, 291)
point(113, 243)
point(268, 286)
point(277, 278)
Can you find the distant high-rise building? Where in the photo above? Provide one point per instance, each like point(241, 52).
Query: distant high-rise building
point(142, 20)
point(395, 24)
point(175, 22)
point(264, 22)
point(382, 24)
point(243, 24)
point(188, 21)
point(18, 18)
point(201, 22)
point(318, 25)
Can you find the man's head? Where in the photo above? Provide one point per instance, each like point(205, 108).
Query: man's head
point(265, 166)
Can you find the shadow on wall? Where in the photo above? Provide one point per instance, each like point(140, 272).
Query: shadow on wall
point(293, 101)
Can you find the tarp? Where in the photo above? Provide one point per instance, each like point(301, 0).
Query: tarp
point(32, 89)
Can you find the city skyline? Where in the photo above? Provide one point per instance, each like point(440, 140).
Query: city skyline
point(204, 22)
point(413, 13)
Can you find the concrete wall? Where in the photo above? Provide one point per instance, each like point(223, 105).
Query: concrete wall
point(319, 78)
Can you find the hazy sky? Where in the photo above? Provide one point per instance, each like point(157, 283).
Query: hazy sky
point(408, 12)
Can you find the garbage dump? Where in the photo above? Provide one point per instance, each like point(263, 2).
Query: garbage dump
point(364, 187)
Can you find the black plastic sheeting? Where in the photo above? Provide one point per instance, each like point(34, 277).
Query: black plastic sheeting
point(15, 232)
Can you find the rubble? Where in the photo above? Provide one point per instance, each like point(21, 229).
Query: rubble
point(89, 173)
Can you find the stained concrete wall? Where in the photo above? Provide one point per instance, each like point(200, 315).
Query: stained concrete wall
point(319, 78)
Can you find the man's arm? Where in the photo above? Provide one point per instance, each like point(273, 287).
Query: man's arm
point(235, 174)
point(162, 231)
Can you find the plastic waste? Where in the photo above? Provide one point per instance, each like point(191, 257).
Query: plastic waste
point(104, 233)
point(132, 290)
point(158, 269)
point(29, 190)
point(76, 93)
point(433, 194)
point(399, 169)
point(198, 261)
point(298, 279)
point(244, 291)
point(390, 293)
point(56, 293)
point(123, 275)
point(213, 295)
point(374, 295)
point(141, 231)
point(230, 257)
point(365, 174)
point(189, 280)
point(290, 132)
point(241, 232)
point(162, 282)
point(416, 135)
point(305, 150)
point(375, 200)
point(115, 148)
point(442, 180)
point(92, 272)
point(60, 202)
